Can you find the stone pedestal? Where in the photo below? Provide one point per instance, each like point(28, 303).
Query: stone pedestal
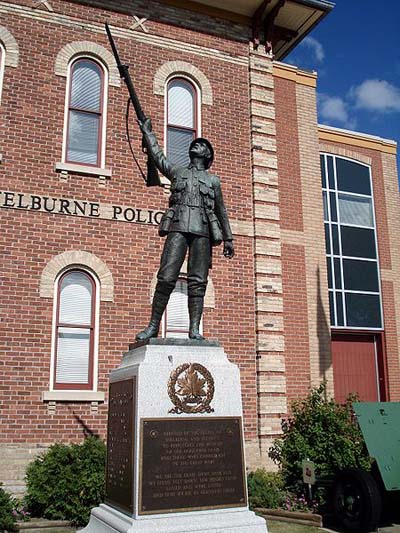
point(175, 449)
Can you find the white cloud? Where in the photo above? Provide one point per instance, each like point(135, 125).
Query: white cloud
point(316, 48)
point(376, 95)
point(334, 110)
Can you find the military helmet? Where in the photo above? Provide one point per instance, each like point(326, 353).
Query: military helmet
point(209, 146)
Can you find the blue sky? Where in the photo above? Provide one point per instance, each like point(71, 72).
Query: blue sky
point(356, 52)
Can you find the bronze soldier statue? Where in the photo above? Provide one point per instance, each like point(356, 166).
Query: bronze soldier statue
point(196, 220)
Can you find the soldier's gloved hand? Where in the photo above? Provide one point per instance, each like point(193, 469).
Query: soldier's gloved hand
point(229, 250)
point(146, 126)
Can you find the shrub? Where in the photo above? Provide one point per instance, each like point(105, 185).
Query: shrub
point(20, 512)
point(65, 482)
point(299, 503)
point(7, 518)
point(322, 431)
point(266, 489)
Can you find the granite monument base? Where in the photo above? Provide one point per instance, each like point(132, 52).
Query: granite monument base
point(175, 447)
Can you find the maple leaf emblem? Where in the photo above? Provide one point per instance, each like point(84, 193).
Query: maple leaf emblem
point(191, 389)
point(191, 385)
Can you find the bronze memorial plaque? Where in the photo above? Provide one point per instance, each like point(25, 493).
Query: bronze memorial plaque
point(190, 464)
point(120, 445)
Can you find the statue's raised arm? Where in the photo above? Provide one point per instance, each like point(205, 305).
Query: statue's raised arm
point(154, 150)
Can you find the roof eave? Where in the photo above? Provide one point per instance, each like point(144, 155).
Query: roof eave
point(328, 6)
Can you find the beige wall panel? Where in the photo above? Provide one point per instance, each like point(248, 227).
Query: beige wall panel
point(389, 168)
point(272, 363)
point(316, 276)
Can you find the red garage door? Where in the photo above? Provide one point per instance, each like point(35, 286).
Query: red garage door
point(355, 367)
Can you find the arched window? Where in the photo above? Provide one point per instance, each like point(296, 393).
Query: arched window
point(351, 244)
point(182, 119)
point(2, 62)
point(85, 113)
point(74, 335)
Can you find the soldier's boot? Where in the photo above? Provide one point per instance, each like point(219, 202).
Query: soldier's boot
point(195, 304)
point(160, 301)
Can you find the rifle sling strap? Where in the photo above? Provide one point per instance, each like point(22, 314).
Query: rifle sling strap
point(129, 141)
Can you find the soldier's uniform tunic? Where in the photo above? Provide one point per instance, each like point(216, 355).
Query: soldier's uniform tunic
point(196, 199)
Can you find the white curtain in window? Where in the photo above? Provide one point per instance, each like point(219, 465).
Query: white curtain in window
point(84, 113)
point(83, 137)
point(177, 323)
point(181, 104)
point(73, 344)
point(86, 86)
point(75, 299)
point(178, 143)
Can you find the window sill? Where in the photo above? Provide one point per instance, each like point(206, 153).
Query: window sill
point(67, 168)
point(72, 396)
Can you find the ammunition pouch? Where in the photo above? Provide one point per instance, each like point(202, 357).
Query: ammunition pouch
point(166, 222)
point(215, 229)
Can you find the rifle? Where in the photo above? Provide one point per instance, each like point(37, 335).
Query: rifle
point(152, 173)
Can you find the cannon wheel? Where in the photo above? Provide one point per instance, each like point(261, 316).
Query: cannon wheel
point(357, 501)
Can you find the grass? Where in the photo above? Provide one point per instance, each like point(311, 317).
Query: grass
point(274, 526)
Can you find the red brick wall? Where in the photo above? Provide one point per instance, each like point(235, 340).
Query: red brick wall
point(288, 155)
point(295, 318)
point(32, 114)
point(391, 342)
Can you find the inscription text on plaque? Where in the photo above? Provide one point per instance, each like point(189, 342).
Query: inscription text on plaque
point(191, 464)
point(120, 445)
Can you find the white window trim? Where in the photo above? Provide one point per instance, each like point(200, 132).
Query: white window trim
point(80, 168)
point(78, 394)
point(164, 180)
point(2, 67)
point(73, 396)
point(83, 169)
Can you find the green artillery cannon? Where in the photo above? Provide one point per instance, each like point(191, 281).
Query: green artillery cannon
point(358, 495)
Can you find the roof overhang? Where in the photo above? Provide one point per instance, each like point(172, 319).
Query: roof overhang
point(280, 24)
point(356, 138)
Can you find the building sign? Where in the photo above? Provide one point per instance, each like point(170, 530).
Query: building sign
point(79, 208)
point(308, 472)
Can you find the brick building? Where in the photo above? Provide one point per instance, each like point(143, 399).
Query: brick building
point(311, 293)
